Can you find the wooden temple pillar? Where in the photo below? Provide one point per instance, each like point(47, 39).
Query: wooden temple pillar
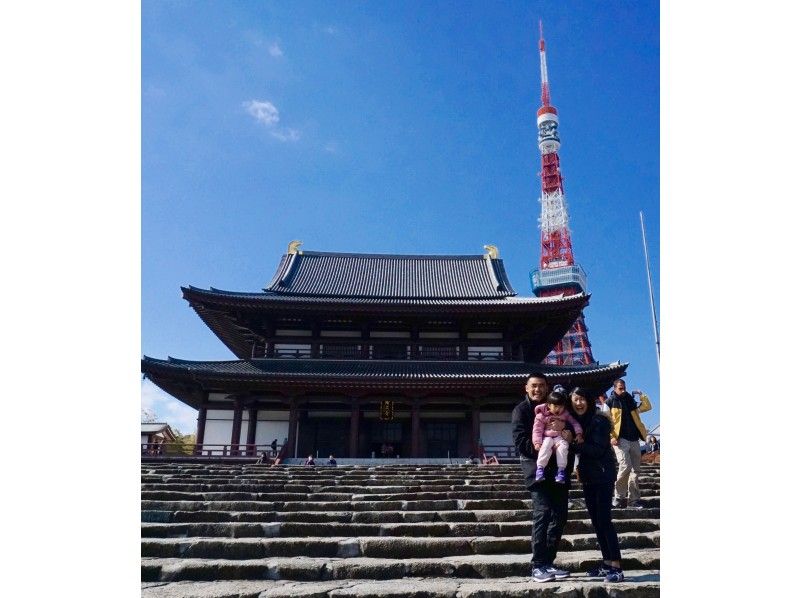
point(291, 440)
point(476, 428)
point(252, 422)
point(236, 430)
point(201, 430)
point(415, 429)
point(355, 417)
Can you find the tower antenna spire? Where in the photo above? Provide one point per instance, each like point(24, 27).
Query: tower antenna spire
point(543, 67)
point(558, 273)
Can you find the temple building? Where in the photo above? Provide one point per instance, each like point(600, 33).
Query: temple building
point(349, 354)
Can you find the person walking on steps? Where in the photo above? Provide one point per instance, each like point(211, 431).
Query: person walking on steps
point(626, 431)
point(549, 498)
point(597, 470)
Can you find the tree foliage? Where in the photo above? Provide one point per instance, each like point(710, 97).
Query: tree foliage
point(183, 445)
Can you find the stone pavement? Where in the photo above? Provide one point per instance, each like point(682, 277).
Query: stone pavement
point(218, 530)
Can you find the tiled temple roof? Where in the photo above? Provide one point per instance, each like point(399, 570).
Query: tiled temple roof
point(360, 369)
point(387, 276)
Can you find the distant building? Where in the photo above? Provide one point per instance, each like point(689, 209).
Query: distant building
point(156, 433)
point(348, 353)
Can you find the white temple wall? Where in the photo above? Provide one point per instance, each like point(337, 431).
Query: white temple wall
point(267, 431)
point(496, 433)
point(219, 425)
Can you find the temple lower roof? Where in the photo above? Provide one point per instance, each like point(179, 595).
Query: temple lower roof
point(371, 368)
point(179, 377)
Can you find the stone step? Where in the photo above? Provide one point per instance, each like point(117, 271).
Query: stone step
point(348, 469)
point(346, 497)
point(270, 516)
point(378, 487)
point(637, 584)
point(325, 529)
point(394, 547)
point(366, 480)
point(327, 568)
point(405, 505)
point(369, 480)
point(239, 486)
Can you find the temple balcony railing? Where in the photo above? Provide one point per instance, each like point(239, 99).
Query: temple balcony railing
point(329, 351)
point(450, 352)
point(484, 354)
point(176, 449)
point(444, 353)
point(292, 353)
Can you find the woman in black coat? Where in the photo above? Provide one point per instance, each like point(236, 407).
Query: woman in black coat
point(597, 470)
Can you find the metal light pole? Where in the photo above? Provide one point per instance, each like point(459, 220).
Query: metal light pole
point(652, 301)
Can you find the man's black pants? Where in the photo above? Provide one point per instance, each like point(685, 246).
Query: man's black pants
point(598, 503)
point(549, 517)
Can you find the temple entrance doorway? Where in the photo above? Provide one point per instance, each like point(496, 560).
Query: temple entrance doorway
point(386, 439)
point(324, 436)
point(441, 439)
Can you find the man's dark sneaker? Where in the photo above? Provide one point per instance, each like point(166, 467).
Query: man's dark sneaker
point(615, 575)
point(561, 476)
point(539, 474)
point(542, 574)
point(600, 571)
point(618, 503)
point(637, 504)
point(559, 573)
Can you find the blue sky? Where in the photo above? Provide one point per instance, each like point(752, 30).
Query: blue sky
point(392, 127)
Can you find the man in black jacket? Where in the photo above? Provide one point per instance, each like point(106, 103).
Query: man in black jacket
point(550, 499)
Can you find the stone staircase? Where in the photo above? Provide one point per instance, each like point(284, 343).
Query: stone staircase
point(223, 530)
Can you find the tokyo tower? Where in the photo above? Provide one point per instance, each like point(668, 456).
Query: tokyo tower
point(558, 274)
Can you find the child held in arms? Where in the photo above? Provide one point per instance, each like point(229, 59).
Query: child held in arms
point(551, 418)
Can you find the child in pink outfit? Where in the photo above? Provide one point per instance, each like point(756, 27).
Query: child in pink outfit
point(551, 417)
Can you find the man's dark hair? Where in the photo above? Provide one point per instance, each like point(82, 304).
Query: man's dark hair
point(557, 398)
point(535, 375)
point(614, 383)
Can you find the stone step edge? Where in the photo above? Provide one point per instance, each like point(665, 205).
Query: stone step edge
point(394, 547)
point(481, 516)
point(638, 583)
point(324, 569)
point(451, 504)
point(238, 529)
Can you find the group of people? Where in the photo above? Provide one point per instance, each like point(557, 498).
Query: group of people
point(555, 432)
point(264, 458)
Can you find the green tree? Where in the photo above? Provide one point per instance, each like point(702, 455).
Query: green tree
point(183, 445)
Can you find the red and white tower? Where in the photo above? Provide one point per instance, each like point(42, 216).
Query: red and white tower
point(558, 274)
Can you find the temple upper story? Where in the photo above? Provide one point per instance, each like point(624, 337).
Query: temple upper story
point(321, 305)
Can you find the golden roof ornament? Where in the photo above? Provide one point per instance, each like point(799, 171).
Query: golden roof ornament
point(294, 247)
point(492, 251)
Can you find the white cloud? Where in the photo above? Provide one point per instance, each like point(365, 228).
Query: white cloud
point(275, 50)
point(330, 30)
point(267, 114)
point(168, 409)
point(264, 112)
point(286, 135)
point(331, 147)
